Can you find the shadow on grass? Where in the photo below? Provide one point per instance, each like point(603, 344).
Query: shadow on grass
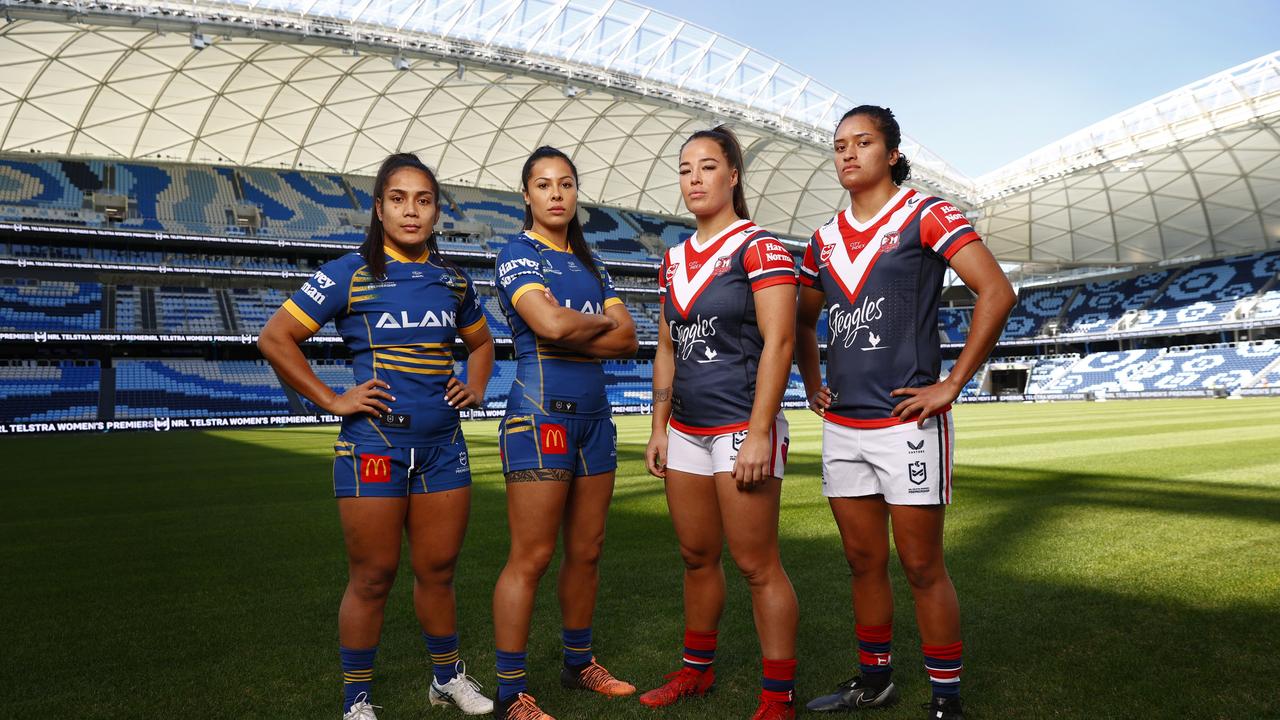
point(198, 576)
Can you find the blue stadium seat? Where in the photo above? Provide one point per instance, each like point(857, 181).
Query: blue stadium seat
point(197, 388)
point(48, 305)
point(41, 391)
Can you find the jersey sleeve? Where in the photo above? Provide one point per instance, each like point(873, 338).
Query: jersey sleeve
point(944, 229)
point(519, 271)
point(810, 276)
point(606, 285)
point(470, 315)
point(324, 295)
point(768, 262)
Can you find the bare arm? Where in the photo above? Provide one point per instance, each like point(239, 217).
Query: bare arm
point(776, 317)
point(664, 373)
point(479, 369)
point(560, 325)
point(620, 342)
point(808, 310)
point(979, 270)
point(279, 343)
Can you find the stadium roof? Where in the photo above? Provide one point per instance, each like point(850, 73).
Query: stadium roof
point(473, 85)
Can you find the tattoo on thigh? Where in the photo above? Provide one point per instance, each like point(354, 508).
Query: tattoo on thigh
point(536, 474)
point(661, 394)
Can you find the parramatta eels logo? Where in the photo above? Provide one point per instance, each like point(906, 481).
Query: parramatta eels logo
point(688, 337)
point(846, 324)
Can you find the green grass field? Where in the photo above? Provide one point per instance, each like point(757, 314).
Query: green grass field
point(1116, 560)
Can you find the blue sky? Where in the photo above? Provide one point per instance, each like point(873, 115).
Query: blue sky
point(982, 83)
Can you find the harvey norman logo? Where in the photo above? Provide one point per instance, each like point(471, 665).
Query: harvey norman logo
point(445, 318)
point(322, 280)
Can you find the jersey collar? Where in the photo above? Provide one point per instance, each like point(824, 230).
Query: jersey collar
point(547, 242)
point(702, 248)
point(399, 257)
point(891, 204)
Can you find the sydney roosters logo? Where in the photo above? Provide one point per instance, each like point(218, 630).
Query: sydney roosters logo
point(889, 242)
point(671, 271)
point(722, 267)
point(826, 253)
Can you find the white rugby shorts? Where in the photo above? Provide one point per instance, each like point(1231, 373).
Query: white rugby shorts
point(711, 454)
point(906, 464)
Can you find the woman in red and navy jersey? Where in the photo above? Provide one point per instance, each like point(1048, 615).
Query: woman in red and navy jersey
point(723, 360)
point(887, 444)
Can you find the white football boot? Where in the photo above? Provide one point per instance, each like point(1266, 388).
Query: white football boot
point(362, 709)
point(462, 691)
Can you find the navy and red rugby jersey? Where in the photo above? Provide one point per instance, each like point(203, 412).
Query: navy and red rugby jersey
point(707, 297)
point(883, 280)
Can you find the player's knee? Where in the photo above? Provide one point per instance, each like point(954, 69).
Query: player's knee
point(532, 561)
point(372, 584)
point(584, 553)
point(924, 572)
point(864, 560)
point(697, 559)
point(759, 572)
point(434, 573)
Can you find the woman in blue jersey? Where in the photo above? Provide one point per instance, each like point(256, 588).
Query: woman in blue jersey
point(557, 441)
point(723, 360)
point(877, 269)
point(400, 462)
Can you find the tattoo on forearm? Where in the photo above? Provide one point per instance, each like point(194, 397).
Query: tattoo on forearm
point(536, 474)
point(662, 394)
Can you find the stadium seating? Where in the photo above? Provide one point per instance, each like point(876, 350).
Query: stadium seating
point(1100, 305)
point(613, 235)
point(49, 305)
point(128, 309)
point(670, 232)
point(60, 391)
point(503, 212)
point(1035, 307)
point(1207, 293)
point(1168, 369)
point(953, 323)
point(197, 388)
point(304, 206)
point(40, 184)
point(192, 310)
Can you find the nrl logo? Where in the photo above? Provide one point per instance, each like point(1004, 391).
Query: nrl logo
point(916, 472)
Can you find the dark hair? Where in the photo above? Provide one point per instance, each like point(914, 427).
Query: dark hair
point(887, 124)
point(577, 241)
point(372, 249)
point(732, 150)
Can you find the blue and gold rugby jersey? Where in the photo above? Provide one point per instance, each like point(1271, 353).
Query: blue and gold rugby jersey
point(399, 330)
point(551, 380)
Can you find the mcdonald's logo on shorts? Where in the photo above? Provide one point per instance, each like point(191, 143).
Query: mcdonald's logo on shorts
point(375, 468)
point(554, 439)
